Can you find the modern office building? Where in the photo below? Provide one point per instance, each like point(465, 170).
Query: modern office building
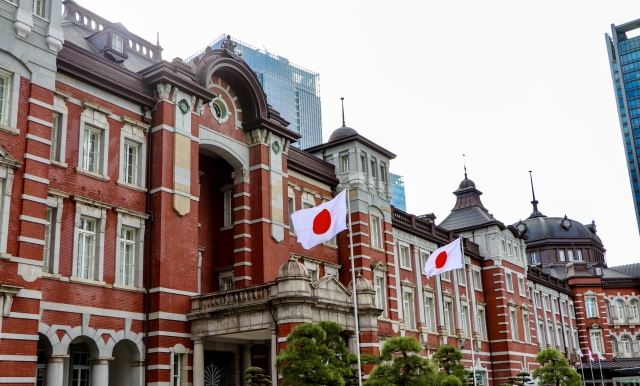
point(399, 199)
point(292, 90)
point(623, 46)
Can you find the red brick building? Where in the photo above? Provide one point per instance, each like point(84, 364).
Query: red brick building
point(145, 234)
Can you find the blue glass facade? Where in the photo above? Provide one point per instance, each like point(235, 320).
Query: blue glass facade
point(624, 60)
point(291, 89)
point(399, 200)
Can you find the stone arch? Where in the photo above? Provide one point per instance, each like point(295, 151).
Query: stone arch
point(234, 152)
point(9, 62)
point(127, 366)
point(239, 76)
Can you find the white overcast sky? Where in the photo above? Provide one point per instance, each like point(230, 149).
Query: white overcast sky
point(514, 85)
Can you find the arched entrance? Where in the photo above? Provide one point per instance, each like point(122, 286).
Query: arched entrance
point(126, 368)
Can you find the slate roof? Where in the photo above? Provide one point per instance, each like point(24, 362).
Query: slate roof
point(468, 211)
point(539, 228)
point(632, 270)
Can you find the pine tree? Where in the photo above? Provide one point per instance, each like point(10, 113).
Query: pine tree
point(406, 367)
point(555, 369)
point(448, 358)
point(255, 376)
point(315, 355)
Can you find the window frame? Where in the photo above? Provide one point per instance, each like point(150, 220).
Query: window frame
point(449, 317)
point(408, 303)
point(526, 326)
point(55, 203)
point(291, 207)
point(344, 163)
point(223, 277)
point(508, 278)
point(402, 247)
point(596, 342)
point(379, 297)
point(10, 99)
point(513, 321)
point(561, 256)
point(41, 12)
point(464, 315)
point(633, 309)
point(376, 236)
point(482, 322)
point(521, 286)
point(135, 221)
point(430, 312)
point(477, 279)
point(87, 208)
point(227, 208)
point(94, 118)
point(462, 277)
point(87, 237)
point(587, 309)
point(115, 39)
point(133, 134)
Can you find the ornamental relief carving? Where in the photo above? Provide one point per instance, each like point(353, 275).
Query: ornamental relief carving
point(240, 176)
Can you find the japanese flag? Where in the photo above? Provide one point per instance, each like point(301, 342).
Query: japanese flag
point(580, 353)
point(317, 225)
point(590, 355)
point(444, 259)
point(600, 357)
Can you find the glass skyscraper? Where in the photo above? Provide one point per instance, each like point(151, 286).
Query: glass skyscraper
point(398, 199)
point(291, 89)
point(623, 46)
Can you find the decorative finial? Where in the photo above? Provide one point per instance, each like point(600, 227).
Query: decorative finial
point(536, 212)
point(158, 38)
point(342, 99)
point(464, 161)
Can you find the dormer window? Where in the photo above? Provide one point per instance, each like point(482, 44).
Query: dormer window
point(117, 43)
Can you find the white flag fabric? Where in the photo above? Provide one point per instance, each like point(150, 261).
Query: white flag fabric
point(600, 357)
point(580, 353)
point(317, 225)
point(590, 355)
point(444, 259)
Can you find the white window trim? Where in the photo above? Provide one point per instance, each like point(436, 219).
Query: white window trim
point(508, 278)
point(60, 107)
point(225, 274)
point(522, 288)
point(402, 244)
point(133, 132)
point(515, 333)
point(479, 281)
point(14, 98)
point(135, 220)
point(484, 334)
point(526, 323)
point(378, 273)
point(432, 316)
point(291, 195)
point(179, 349)
point(95, 117)
point(595, 300)
point(380, 234)
point(6, 174)
point(313, 266)
point(447, 316)
point(55, 200)
point(406, 290)
point(97, 211)
point(309, 199)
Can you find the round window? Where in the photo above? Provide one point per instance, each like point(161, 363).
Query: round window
point(219, 110)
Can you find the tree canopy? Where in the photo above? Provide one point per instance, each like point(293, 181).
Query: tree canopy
point(555, 369)
point(448, 359)
point(402, 365)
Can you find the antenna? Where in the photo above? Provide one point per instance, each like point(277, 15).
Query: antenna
point(536, 212)
point(464, 161)
point(342, 99)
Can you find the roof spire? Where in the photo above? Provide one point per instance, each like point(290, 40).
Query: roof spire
point(464, 161)
point(158, 38)
point(536, 212)
point(342, 99)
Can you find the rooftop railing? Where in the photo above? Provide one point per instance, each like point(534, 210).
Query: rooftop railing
point(256, 294)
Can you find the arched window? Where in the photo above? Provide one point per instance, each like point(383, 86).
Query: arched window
point(619, 309)
point(614, 343)
point(634, 310)
point(607, 309)
point(625, 345)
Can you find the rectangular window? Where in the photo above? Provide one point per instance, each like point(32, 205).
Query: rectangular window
point(54, 153)
point(127, 256)
point(86, 248)
point(534, 258)
point(482, 323)
point(541, 338)
point(590, 306)
point(477, 280)
point(379, 286)
point(38, 7)
point(446, 276)
point(405, 257)
point(363, 162)
point(571, 313)
point(409, 317)
point(48, 238)
point(448, 316)
point(373, 169)
point(514, 325)
point(504, 246)
point(91, 150)
point(424, 256)
point(130, 166)
point(547, 305)
point(563, 306)
point(429, 313)
point(228, 208)
point(177, 370)
point(516, 251)
point(5, 86)
point(560, 340)
point(292, 208)
point(462, 280)
point(579, 254)
point(465, 320)
point(345, 163)
point(376, 232)
point(383, 173)
point(313, 273)
point(117, 42)
point(634, 310)
point(81, 369)
point(526, 327)
point(575, 339)
point(550, 335)
point(227, 283)
point(556, 306)
point(570, 255)
point(537, 297)
point(561, 256)
point(509, 280)
point(596, 342)
point(521, 288)
point(41, 365)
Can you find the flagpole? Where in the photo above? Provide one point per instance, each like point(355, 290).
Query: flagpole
point(466, 279)
point(593, 381)
point(600, 365)
point(582, 370)
point(354, 293)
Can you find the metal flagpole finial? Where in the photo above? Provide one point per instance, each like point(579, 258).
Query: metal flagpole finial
point(464, 161)
point(536, 212)
point(342, 99)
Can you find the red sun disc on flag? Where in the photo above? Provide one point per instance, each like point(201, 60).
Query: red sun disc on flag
point(322, 222)
point(441, 259)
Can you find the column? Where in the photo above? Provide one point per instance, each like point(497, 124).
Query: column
point(198, 363)
point(54, 372)
point(137, 374)
point(246, 361)
point(100, 371)
point(273, 371)
point(442, 329)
